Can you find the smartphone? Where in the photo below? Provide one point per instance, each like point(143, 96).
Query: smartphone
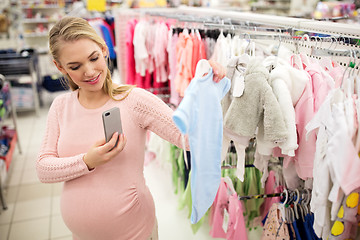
point(112, 123)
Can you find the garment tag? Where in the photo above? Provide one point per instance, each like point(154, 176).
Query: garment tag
point(239, 86)
point(226, 220)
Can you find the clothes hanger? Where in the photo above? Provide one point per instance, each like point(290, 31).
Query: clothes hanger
point(290, 207)
point(197, 34)
point(336, 43)
point(303, 38)
point(304, 197)
point(318, 40)
point(352, 77)
point(296, 60)
point(308, 199)
point(326, 62)
point(357, 78)
point(296, 202)
point(282, 206)
point(273, 66)
point(186, 30)
point(291, 215)
point(249, 41)
point(349, 66)
point(352, 71)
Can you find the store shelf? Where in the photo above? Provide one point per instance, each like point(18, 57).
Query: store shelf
point(5, 162)
point(48, 7)
point(270, 7)
point(35, 24)
point(35, 35)
point(10, 133)
point(274, 6)
point(22, 70)
point(35, 21)
point(8, 157)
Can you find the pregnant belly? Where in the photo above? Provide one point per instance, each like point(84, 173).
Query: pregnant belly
point(111, 213)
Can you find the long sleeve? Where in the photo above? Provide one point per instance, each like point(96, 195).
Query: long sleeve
point(151, 113)
point(50, 167)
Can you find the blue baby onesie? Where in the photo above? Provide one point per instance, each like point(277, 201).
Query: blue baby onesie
point(200, 116)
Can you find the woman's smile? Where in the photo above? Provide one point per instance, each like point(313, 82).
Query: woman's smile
point(93, 80)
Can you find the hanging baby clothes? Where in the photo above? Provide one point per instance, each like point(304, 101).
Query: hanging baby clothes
point(277, 81)
point(296, 81)
point(209, 43)
point(222, 49)
point(275, 227)
point(257, 102)
point(348, 218)
point(178, 169)
point(161, 149)
point(130, 60)
point(199, 115)
point(184, 48)
point(322, 182)
point(335, 176)
point(249, 187)
point(104, 30)
point(227, 205)
point(235, 71)
point(270, 187)
point(160, 52)
point(304, 112)
point(141, 55)
point(171, 49)
point(256, 105)
point(198, 50)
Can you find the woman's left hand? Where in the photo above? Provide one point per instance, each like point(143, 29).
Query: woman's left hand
point(218, 69)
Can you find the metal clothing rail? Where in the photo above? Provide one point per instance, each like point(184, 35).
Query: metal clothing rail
point(206, 15)
point(260, 196)
point(285, 30)
point(341, 52)
point(346, 30)
point(212, 21)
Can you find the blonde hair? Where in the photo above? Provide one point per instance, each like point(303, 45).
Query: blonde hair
point(74, 28)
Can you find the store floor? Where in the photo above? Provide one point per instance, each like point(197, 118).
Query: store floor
point(33, 208)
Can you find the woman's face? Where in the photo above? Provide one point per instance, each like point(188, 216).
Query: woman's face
point(84, 61)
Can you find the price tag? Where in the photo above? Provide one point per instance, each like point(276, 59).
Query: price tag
point(226, 220)
point(239, 86)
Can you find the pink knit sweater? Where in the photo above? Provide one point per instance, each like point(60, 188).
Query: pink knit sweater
point(111, 202)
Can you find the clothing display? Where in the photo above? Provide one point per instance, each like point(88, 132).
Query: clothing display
point(292, 88)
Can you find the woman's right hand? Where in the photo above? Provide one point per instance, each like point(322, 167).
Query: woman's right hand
point(101, 152)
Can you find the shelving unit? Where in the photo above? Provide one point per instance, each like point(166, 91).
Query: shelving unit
point(37, 18)
point(21, 70)
point(12, 135)
point(276, 7)
point(36, 21)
